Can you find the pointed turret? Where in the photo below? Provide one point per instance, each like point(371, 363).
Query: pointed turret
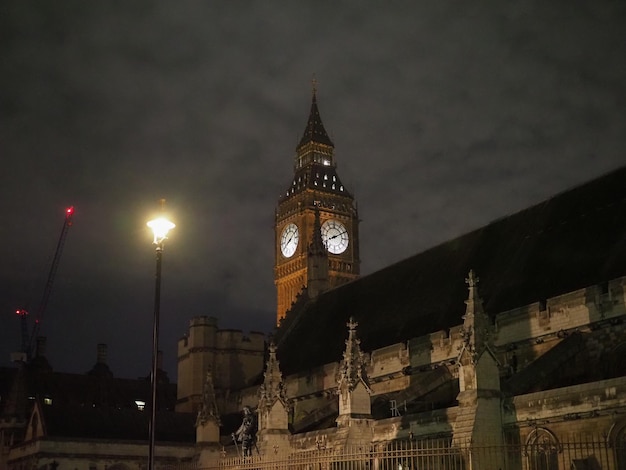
point(208, 420)
point(479, 417)
point(208, 426)
point(273, 387)
point(355, 407)
point(352, 382)
point(208, 409)
point(476, 323)
point(352, 367)
point(273, 409)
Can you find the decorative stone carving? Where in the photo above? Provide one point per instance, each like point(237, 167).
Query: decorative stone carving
point(208, 410)
point(352, 368)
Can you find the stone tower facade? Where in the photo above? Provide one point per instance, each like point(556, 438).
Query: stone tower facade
point(234, 360)
point(316, 200)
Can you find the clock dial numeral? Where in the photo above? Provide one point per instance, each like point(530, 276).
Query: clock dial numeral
point(335, 236)
point(289, 239)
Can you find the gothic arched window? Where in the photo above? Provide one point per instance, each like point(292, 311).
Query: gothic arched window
point(542, 449)
point(617, 440)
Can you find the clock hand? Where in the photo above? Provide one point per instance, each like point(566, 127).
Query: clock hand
point(335, 236)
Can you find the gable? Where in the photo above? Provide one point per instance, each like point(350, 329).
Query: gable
point(36, 424)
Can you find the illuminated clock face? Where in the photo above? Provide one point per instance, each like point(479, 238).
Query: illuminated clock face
point(289, 240)
point(335, 236)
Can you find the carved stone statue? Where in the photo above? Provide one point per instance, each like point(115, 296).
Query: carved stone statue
point(246, 434)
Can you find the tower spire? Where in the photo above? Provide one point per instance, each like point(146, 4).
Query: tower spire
point(476, 323)
point(314, 130)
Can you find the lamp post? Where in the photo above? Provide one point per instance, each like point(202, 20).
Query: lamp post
point(159, 227)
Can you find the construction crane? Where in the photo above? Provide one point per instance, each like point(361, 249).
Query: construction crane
point(28, 341)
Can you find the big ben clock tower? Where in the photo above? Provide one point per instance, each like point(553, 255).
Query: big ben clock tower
point(317, 223)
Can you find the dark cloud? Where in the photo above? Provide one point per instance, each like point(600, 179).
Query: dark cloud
point(445, 116)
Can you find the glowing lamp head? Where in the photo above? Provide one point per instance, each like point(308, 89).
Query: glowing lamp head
point(160, 227)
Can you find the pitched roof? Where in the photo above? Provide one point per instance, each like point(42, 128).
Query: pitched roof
point(572, 240)
point(317, 177)
point(314, 130)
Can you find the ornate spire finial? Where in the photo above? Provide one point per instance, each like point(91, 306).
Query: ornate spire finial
point(314, 85)
point(476, 324)
point(273, 387)
point(472, 280)
point(474, 298)
point(208, 410)
point(352, 367)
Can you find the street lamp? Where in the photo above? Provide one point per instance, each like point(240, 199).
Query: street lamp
point(159, 227)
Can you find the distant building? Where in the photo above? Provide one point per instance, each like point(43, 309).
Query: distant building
point(91, 421)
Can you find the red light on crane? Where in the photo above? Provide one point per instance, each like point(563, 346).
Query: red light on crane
point(69, 213)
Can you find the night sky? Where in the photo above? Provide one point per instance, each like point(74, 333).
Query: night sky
point(445, 116)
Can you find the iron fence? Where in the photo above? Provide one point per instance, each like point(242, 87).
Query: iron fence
point(438, 454)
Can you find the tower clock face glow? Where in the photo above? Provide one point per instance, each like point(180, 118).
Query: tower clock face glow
point(289, 240)
point(335, 236)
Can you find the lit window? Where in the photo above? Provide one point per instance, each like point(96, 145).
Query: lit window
point(333, 186)
point(326, 162)
point(47, 401)
point(140, 404)
point(326, 177)
point(340, 188)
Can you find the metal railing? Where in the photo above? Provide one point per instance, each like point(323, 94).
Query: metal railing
point(437, 454)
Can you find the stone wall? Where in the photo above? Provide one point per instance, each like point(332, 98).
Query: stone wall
point(84, 454)
point(427, 365)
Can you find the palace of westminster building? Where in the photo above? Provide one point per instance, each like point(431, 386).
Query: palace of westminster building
point(511, 336)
